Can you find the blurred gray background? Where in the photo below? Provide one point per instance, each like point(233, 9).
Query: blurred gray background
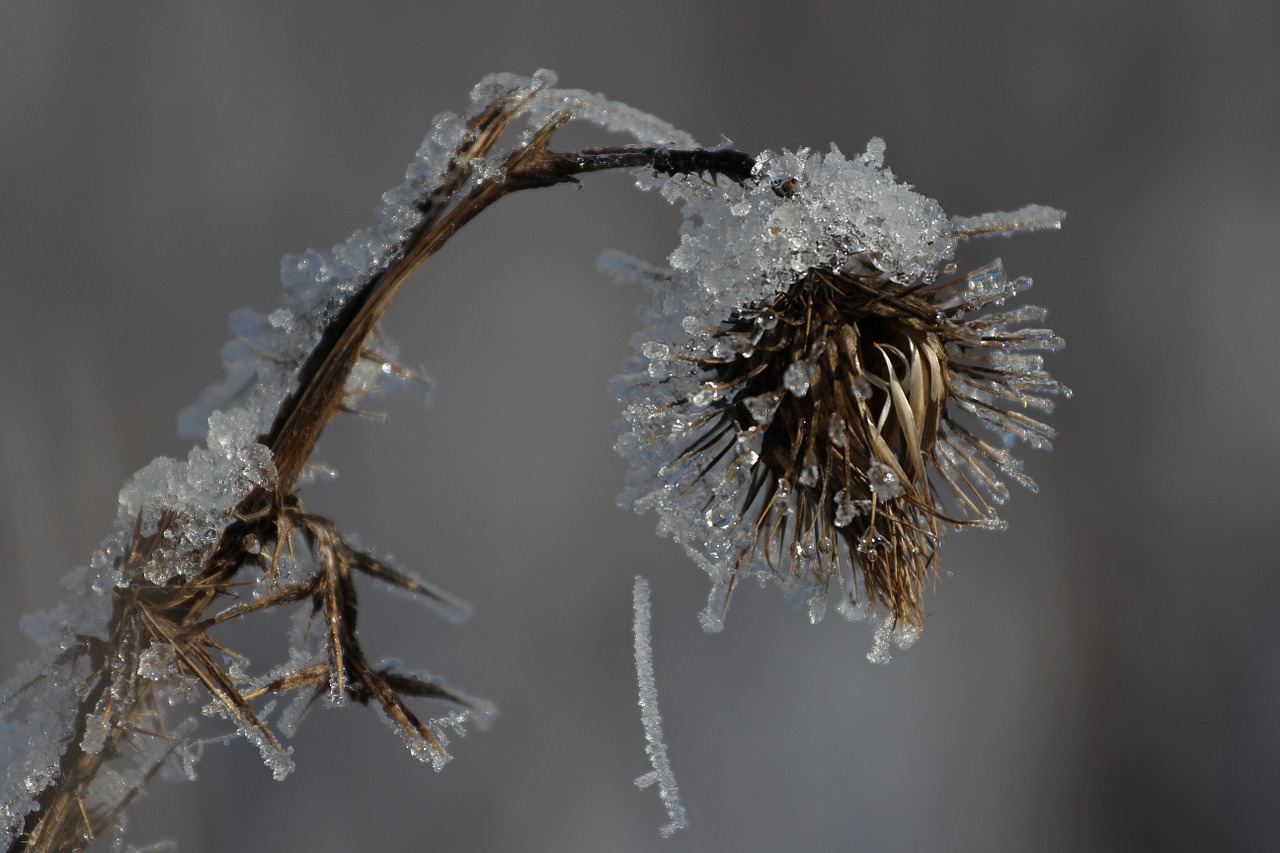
point(1102, 677)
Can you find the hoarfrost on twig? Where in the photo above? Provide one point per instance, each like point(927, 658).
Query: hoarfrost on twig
point(657, 747)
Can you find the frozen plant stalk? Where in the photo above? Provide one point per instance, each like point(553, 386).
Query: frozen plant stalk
point(797, 407)
point(648, 688)
point(223, 535)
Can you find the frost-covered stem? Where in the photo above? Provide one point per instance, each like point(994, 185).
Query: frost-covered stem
point(60, 822)
point(647, 685)
point(323, 376)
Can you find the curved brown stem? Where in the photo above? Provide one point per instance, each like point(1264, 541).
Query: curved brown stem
point(61, 821)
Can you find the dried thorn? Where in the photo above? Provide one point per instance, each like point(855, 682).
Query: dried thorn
point(224, 691)
point(379, 417)
point(410, 685)
point(394, 707)
point(285, 596)
point(375, 568)
point(88, 824)
point(315, 676)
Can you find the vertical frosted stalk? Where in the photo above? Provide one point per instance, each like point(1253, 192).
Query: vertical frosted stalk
point(656, 747)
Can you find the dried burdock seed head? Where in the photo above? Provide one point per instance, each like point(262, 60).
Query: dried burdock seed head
point(804, 403)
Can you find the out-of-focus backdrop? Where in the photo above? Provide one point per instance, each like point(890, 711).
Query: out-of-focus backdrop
point(1104, 676)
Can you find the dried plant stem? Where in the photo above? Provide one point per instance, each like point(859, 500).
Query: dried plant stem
point(175, 612)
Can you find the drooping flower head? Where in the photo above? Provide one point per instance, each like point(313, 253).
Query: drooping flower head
point(819, 393)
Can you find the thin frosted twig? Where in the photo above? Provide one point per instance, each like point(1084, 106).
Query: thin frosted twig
point(657, 747)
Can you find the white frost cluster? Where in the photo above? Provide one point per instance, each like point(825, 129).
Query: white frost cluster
point(740, 245)
point(656, 745)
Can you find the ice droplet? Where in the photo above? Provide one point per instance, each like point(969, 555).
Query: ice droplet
point(836, 431)
point(846, 509)
point(703, 396)
point(722, 513)
point(885, 483)
point(993, 522)
point(156, 662)
point(724, 349)
point(797, 377)
point(762, 408)
point(782, 498)
point(873, 546)
point(805, 551)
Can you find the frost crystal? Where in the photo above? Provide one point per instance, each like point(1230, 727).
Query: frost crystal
point(797, 378)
